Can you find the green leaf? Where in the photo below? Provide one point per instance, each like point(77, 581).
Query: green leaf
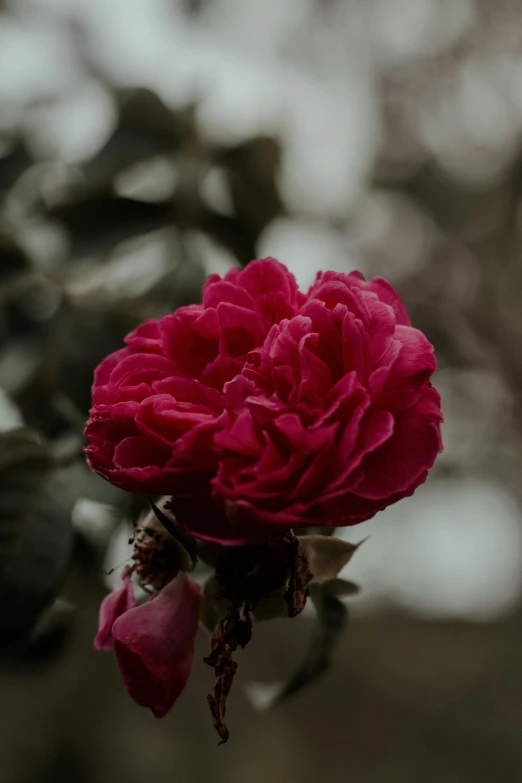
point(332, 619)
point(35, 534)
point(146, 127)
point(23, 445)
point(326, 555)
point(341, 588)
point(274, 605)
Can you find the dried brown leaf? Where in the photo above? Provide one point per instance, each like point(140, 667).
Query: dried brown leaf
point(232, 632)
point(300, 576)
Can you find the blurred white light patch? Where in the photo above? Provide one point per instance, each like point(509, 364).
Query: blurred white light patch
point(478, 409)
point(403, 29)
point(46, 244)
point(94, 520)
point(241, 50)
point(506, 69)
point(250, 70)
point(118, 554)
point(330, 136)
point(258, 29)
point(392, 233)
point(306, 248)
point(10, 416)
point(37, 59)
point(153, 180)
point(129, 38)
point(239, 98)
point(453, 550)
point(263, 695)
point(134, 267)
point(472, 128)
point(213, 257)
point(215, 191)
point(74, 127)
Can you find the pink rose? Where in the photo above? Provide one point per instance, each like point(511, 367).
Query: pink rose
point(333, 418)
point(157, 403)
point(264, 408)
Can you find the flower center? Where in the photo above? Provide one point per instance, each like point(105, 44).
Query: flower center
point(157, 555)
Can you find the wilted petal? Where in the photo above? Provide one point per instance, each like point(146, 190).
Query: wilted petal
point(154, 645)
point(113, 606)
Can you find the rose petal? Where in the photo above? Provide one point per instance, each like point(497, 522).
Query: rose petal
point(407, 455)
point(113, 606)
point(154, 645)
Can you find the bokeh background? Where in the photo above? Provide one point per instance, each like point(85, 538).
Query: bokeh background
point(147, 143)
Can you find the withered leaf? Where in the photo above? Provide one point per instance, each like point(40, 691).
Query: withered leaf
point(232, 632)
point(326, 555)
point(225, 669)
point(249, 574)
point(300, 576)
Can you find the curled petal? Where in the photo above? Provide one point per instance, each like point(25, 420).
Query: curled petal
point(334, 418)
point(158, 401)
point(154, 645)
point(264, 407)
point(113, 606)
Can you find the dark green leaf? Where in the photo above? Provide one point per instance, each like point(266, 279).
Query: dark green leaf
point(96, 225)
point(13, 163)
point(22, 445)
point(341, 587)
point(50, 634)
point(13, 259)
point(332, 618)
point(274, 605)
point(326, 555)
point(35, 534)
point(146, 127)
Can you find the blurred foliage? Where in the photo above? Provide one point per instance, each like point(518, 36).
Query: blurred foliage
point(89, 249)
point(54, 332)
point(35, 533)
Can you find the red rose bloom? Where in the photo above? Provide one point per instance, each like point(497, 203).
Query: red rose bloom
point(264, 408)
point(334, 417)
point(157, 402)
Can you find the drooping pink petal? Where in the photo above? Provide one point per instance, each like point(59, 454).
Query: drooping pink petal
point(113, 606)
point(154, 645)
